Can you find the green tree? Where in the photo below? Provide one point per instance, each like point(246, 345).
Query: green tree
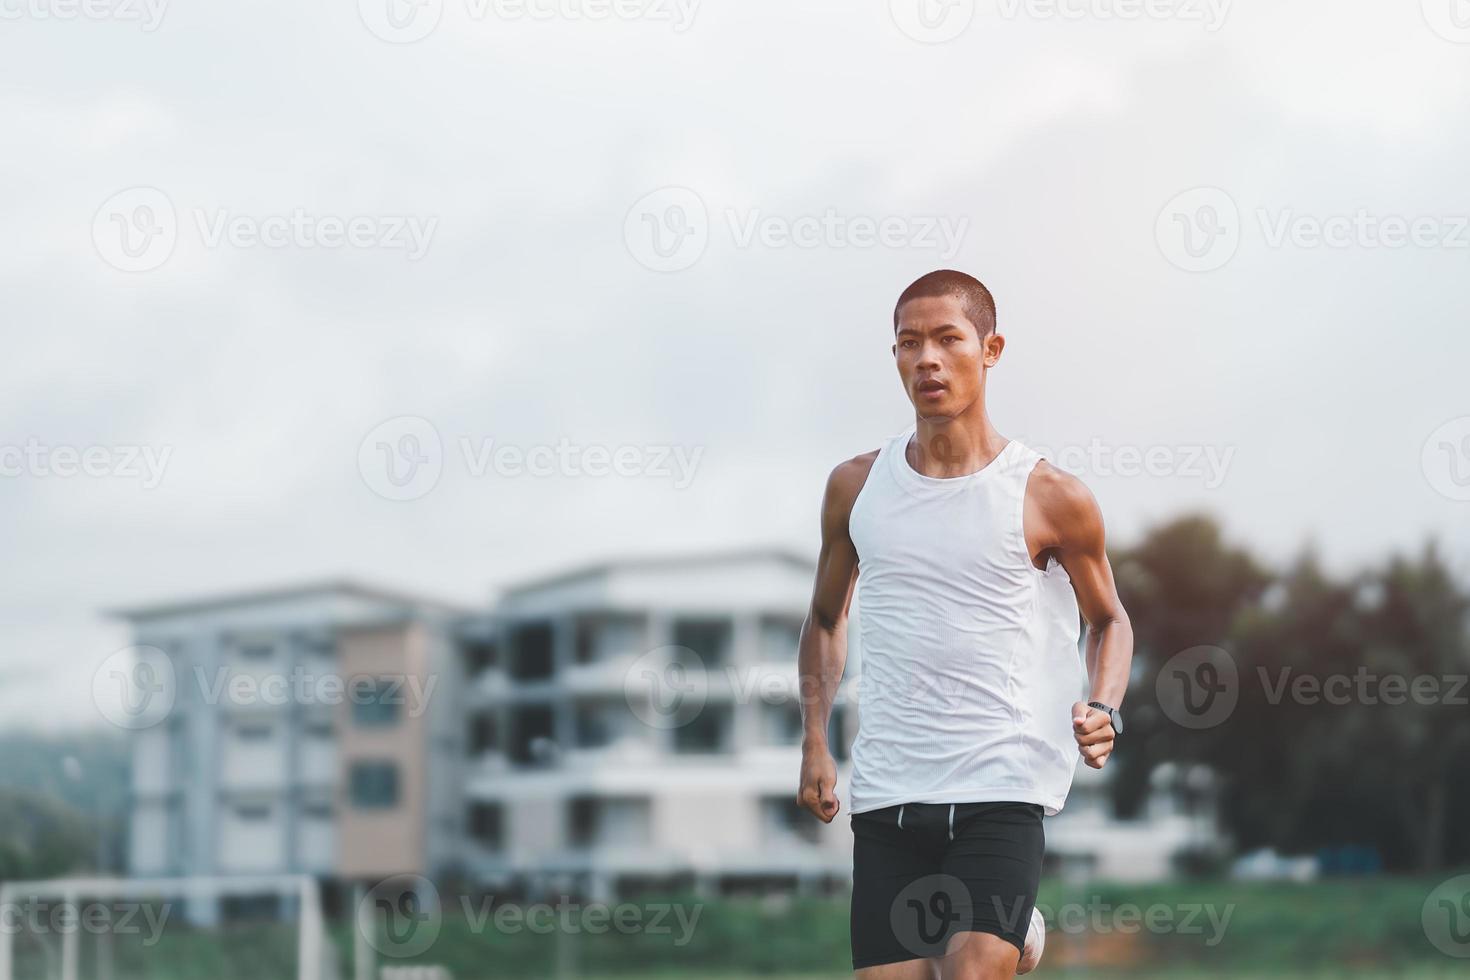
point(42, 837)
point(1368, 759)
point(1183, 586)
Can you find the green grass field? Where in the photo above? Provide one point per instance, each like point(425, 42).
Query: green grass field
point(1361, 928)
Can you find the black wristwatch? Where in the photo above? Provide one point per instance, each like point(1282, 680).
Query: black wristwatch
point(1114, 715)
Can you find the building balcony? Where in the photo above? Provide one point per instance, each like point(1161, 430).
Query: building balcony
point(605, 676)
point(489, 685)
point(628, 752)
point(489, 761)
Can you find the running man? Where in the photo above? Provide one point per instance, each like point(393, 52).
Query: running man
point(973, 556)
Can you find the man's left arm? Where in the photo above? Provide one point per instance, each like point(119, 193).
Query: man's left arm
point(1071, 526)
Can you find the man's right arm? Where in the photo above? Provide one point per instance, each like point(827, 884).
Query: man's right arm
point(822, 652)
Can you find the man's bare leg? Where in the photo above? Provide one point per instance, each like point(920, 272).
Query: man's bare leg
point(907, 970)
point(979, 956)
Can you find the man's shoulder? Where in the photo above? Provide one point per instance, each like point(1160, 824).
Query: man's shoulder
point(1049, 480)
point(847, 478)
point(1060, 497)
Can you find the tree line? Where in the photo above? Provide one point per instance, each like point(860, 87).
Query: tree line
point(1348, 714)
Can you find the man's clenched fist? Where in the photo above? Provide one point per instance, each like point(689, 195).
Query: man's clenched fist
point(1093, 730)
point(818, 780)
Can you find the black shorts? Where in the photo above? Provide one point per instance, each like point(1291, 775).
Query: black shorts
point(923, 872)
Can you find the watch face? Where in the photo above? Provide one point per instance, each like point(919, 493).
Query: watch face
point(1114, 715)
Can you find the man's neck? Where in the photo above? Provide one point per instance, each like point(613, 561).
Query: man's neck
point(945, 447)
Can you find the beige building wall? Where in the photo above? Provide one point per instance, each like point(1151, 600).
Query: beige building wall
point(378, 842)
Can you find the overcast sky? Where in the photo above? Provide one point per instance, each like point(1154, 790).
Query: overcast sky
point(248, 247)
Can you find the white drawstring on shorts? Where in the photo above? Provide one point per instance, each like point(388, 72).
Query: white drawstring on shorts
point(951, 821)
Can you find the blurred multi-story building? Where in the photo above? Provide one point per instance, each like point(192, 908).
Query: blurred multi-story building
point(626, 726)
point(303, 733)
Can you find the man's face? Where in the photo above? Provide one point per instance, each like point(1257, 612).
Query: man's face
point(941, 358)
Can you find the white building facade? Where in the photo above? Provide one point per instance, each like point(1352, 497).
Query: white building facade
point(638, 725)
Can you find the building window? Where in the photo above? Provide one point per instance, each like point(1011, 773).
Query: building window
point(779, 638)
point(708, 731)
point(375, 702)
point(374, 785)
point(319, 649)
point(254, 733)
point(479, 656)
point(781, 723)
point(531, 652)
point(586, 645)
point(783, 818)
point(316, 810)
point(486, 822)
point(484, 734)
point(253, 812)
point(601, 822)
point(602, 637)
point(594, 726)
point(319, 728)
point(837, 739)
point(710, 638)
point(257, 651)
point(531, 738)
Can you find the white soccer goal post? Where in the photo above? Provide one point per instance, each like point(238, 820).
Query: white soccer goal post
point(71, 900)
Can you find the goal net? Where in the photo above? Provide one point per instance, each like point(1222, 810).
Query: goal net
point(209, 928)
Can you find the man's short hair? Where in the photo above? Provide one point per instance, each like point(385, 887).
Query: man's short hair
point(975, 299)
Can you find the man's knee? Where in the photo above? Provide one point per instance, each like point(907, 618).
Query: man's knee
point(979, 956)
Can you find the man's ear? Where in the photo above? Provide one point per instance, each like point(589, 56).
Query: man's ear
point(994, 344)
point(894, 350)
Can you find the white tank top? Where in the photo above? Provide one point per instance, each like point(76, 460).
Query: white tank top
point(970, 662)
